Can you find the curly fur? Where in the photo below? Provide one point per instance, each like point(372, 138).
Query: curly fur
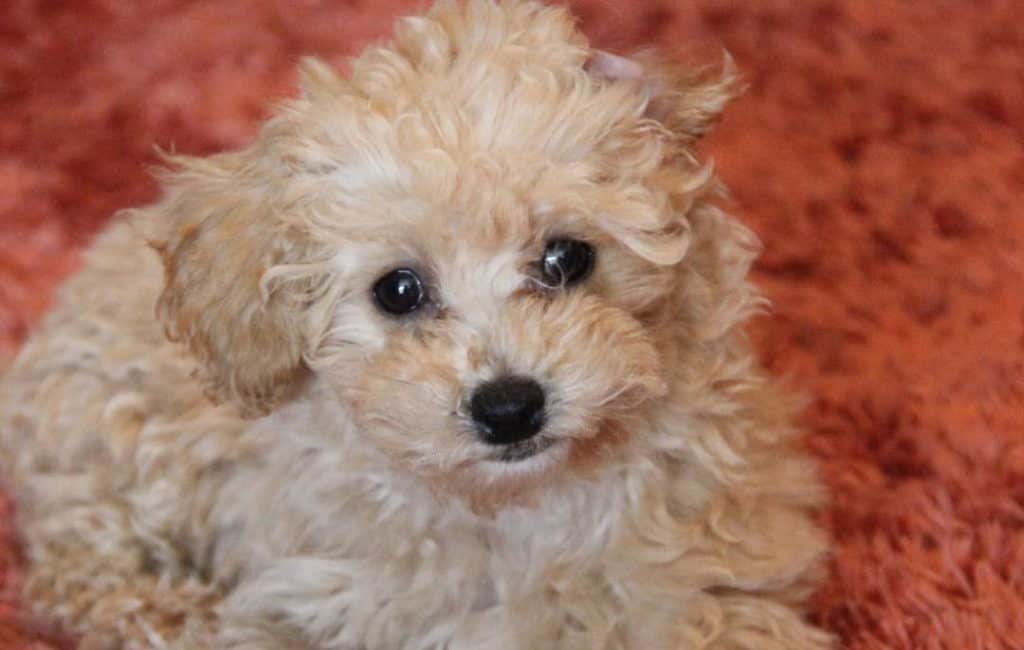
point(271, 462)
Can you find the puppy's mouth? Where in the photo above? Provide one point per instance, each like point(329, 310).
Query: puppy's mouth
point(523, 450)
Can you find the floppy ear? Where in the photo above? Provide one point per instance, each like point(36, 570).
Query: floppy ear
point(686, 100)
point(232, 292)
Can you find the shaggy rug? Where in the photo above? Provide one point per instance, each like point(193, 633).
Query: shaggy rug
point(878, 153)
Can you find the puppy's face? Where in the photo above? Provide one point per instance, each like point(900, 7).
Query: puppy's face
point(492, 330)
point(473, 244)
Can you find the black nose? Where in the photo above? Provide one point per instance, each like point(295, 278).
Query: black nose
point(508, 410)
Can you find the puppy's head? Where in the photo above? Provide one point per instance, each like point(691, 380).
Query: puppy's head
point(489, 245)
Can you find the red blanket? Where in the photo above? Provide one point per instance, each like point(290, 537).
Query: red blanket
point(877, 153)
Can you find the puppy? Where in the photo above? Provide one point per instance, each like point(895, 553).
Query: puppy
point(449, 357)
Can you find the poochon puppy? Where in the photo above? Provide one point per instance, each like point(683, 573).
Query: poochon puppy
point(449, 357)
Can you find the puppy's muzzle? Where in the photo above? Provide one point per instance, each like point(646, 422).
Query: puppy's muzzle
point(508, 410)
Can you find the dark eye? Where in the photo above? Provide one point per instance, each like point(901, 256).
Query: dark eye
point(400, 292)
point(566, 262)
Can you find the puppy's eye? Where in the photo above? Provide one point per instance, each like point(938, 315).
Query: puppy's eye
point(566, 262)
point(399, 292)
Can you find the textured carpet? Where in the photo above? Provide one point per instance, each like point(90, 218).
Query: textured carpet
point(878, 153)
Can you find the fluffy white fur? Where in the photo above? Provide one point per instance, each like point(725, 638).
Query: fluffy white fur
point(219, 441)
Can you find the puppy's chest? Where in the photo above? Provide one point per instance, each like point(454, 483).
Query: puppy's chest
point(388, 540)
point(528, 555)
point(475, 564)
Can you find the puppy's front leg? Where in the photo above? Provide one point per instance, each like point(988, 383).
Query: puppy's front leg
point(733, 620)
point(289, 604)
point(316, 603)
point(727, 620)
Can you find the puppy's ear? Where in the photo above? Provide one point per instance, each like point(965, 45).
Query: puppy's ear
point(686, 100)
point(231, 292)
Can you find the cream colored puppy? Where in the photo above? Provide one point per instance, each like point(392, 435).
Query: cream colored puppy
point(449, 357)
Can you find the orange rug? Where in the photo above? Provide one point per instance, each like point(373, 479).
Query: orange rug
point(878, 153)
